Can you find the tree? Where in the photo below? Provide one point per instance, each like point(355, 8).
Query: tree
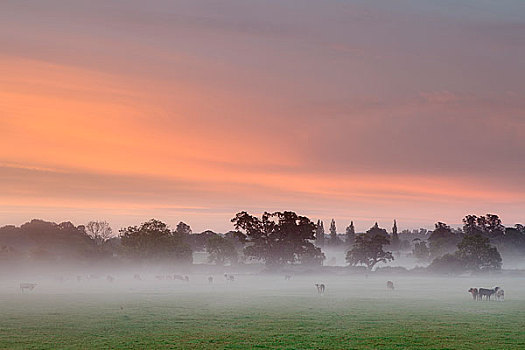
point(183, 229)
point(378, 231)
point(319, 233)
point(350, 233)
point(99, 231)
point(474, 253)
point(448, 263)
point(368, 251)
point(64, 241)
point(279, 238)
point(334, 240)
point(153, 240)
point(395, 237)
point(513, 243)
point(221, 250)
point(470, 225)
point(442, 240)
point(420, 250)
point(489, 225)
point(477, 253)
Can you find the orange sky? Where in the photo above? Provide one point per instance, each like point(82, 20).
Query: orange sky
point(185, 111)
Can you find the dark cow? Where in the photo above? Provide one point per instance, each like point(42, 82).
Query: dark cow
point(29, 286)
point(487, 293)
point(320, 288)
point(210, 280)
point(475, 293)
point(390, 285)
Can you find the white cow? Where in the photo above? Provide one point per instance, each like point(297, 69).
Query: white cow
point(500, 294)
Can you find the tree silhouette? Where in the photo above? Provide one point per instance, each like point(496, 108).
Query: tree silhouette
point(350, 233)
point(420, 250)
point(334, 240)
point(442, 240)
point(99, 231)
point(395, 237)
point(279, 238)
point(153, 240)
point(477, 254)
point(319, 233)
point(368, 251)
point(183, 229)
point(378, 231)
point(221, 250)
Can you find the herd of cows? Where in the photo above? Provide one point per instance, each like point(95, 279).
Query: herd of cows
point(477, 293)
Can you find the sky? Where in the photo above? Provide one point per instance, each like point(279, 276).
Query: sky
point(195, 110)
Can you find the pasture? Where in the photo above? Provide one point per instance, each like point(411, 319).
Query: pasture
point(262, 312)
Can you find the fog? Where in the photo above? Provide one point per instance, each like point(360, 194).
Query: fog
point(249, 283)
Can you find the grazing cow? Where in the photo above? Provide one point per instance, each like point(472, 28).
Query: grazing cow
point(179, 277)
point(186, 279)
point(287, 277)
point(229, 278)
point(475, 293)
point(390, 285)
point(487, 293)
point(500, 294)
point(110, 279)
point(320, 288)
point(210, 280)
point(137, 277)
point(29, 286)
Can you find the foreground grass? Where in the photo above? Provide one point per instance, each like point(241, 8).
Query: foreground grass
point(221, 320)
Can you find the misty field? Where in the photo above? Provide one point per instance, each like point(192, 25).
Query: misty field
point(264, 312)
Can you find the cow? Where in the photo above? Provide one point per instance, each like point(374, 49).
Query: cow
point(110, 279)
point(29, 286)
point(390, 285)
point(320, 288)
point(137, 277)
point(475, 293)
point(186, 279)
point(487, 293)
point(210, 280)
point(500, 294)
point(229, 278)
point(179, 277)
point(160, 277)
point(287, 277)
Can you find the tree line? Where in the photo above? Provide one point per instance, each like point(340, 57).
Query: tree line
point(274, 239)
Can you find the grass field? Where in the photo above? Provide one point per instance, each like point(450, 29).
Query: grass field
point(263, 313)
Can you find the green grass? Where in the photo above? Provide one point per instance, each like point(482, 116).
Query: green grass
point(293, 318)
